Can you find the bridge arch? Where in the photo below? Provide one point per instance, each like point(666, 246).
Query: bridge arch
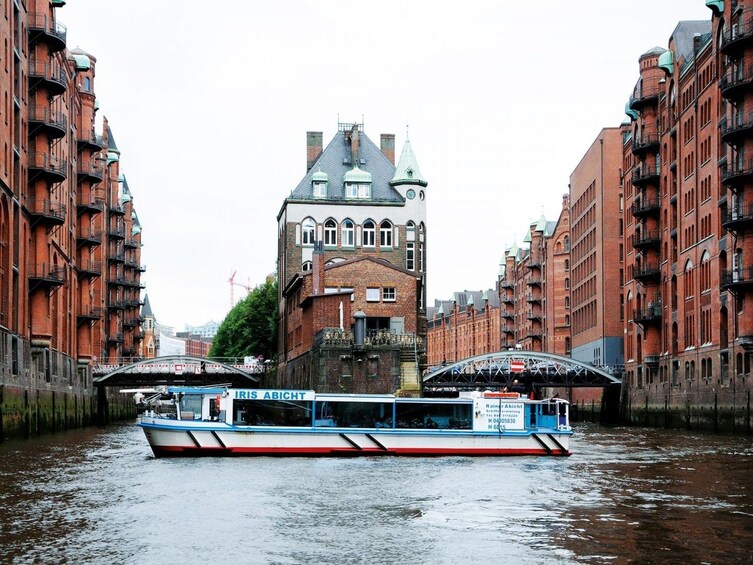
point(533, 368)
point(177, 370)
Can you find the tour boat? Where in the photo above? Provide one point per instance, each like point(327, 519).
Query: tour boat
point(197, 421)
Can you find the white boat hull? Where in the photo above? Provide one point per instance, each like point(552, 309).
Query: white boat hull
point(176, 438)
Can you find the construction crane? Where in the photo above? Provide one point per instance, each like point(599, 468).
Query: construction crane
point(233, 284)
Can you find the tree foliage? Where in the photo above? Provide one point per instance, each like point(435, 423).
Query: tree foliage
point(250, 328)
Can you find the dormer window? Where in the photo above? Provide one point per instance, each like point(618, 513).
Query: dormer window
point(357, 184)
point(319, 184)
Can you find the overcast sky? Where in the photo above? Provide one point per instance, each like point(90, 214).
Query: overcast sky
point(210, 102)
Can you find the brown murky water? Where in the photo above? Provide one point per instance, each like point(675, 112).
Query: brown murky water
point(98, 496)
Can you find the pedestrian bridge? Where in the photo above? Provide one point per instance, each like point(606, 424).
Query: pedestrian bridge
point(533, 369)
point(177, 370)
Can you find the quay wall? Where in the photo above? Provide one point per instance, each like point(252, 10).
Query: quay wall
point(704, 409)
point(28, 411)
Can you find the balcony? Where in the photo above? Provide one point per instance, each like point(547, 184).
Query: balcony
point(116, 210)
point(89, 314)
point(646, 174)
point(737, 279)
point(738, 220)
point(534, 334)
point(116, 304)
point(647, 272)
point(506, 284)
point(90, 268)
point(644, 95)
point(647, 143)
point(117, 257)
point(89, 171)
point(116, 232)
point(531, 299)
point(133, 283)
point(90, 142)
point(646, 206)
point(533, 281)
point(651, 360)
point(131, 322)
point(116, 338)
point(117, 280)
point(46, 276)
point(737, 37)
point(93, 206)
point(736, 128)
point(47, 166)
point(736, 82)
point(46, 212)
point(739, 171)
point(132, 243)
point(508, 314)
point(508, 329)
point(534, 317)
point(43, 28)
point(507, 300)
point(43, 120)
point(89, 237)
point(533, 264)
point(47, 75)
point(647, 238)
point(647, 316)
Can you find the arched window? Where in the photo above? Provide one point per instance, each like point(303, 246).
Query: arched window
point(308, 231)
point(567, 283)
point(330, 233)
point(369, 234)
point(705, 272)
point(567, 264)
point(410, 231)
point(567, 302)
point(567, 243)
point(307, 266)
point(348, 231)
point(385, 234)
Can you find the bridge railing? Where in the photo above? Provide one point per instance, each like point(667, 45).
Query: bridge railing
point(178, 366)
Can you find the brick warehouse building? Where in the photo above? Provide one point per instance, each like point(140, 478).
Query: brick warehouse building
point(689, 218)
point(352, 247)
point(70, 240)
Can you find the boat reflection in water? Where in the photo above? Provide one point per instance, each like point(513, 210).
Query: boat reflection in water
point(223, 421)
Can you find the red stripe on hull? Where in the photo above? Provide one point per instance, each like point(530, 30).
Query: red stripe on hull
point(178, 451)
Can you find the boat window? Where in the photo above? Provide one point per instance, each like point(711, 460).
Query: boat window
point(434, 416)
point(272, 412)
point(354, 414)
point(190, 407)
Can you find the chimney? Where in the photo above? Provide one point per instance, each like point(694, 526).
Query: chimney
point(313, 148)
point(317, 275)
point(354, 145)
point(387, 144)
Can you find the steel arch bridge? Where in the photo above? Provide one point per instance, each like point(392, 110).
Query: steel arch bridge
point(176, 370)
point(533, 369)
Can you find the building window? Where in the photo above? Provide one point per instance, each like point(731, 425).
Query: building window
point(372, 295)
point(330, 233)
point(385, 234)
point(348, 231)
point(567, 302)
point(369, 234)
point(320, 189)
point(308, 229)
point(567, 284)
point(307, 266)
point(410, 231)
point(389, 294)
point(410, 256)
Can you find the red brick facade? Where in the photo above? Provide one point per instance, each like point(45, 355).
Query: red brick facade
point(69, 238)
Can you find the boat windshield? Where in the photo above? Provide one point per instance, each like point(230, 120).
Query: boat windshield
point(354, 414)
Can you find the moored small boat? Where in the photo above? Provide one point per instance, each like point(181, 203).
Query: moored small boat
point(224, 421)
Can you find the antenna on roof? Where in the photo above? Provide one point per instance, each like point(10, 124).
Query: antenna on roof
point(407, 131)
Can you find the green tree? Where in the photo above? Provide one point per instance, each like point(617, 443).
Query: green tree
point(250, 328)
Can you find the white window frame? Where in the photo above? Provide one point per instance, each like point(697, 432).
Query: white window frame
point(308, 231)
point(369, 234)
point(351, 190)
point(389, 294)
point(348, 232)
point(410, 256)
point(330, 233)
point(320, 189)
point(373, 294)
point(385, 234)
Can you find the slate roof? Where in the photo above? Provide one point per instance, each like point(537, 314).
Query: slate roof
point(683, 36)
point(111, 145)
point(336, 160)
point(146, 309)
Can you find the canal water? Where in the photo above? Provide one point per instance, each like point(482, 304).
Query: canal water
point(98, 496)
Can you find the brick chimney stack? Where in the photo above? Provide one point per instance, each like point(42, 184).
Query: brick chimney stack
point(387, 144)
point(354, 144)
point(313, 148)
point(317, 274)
